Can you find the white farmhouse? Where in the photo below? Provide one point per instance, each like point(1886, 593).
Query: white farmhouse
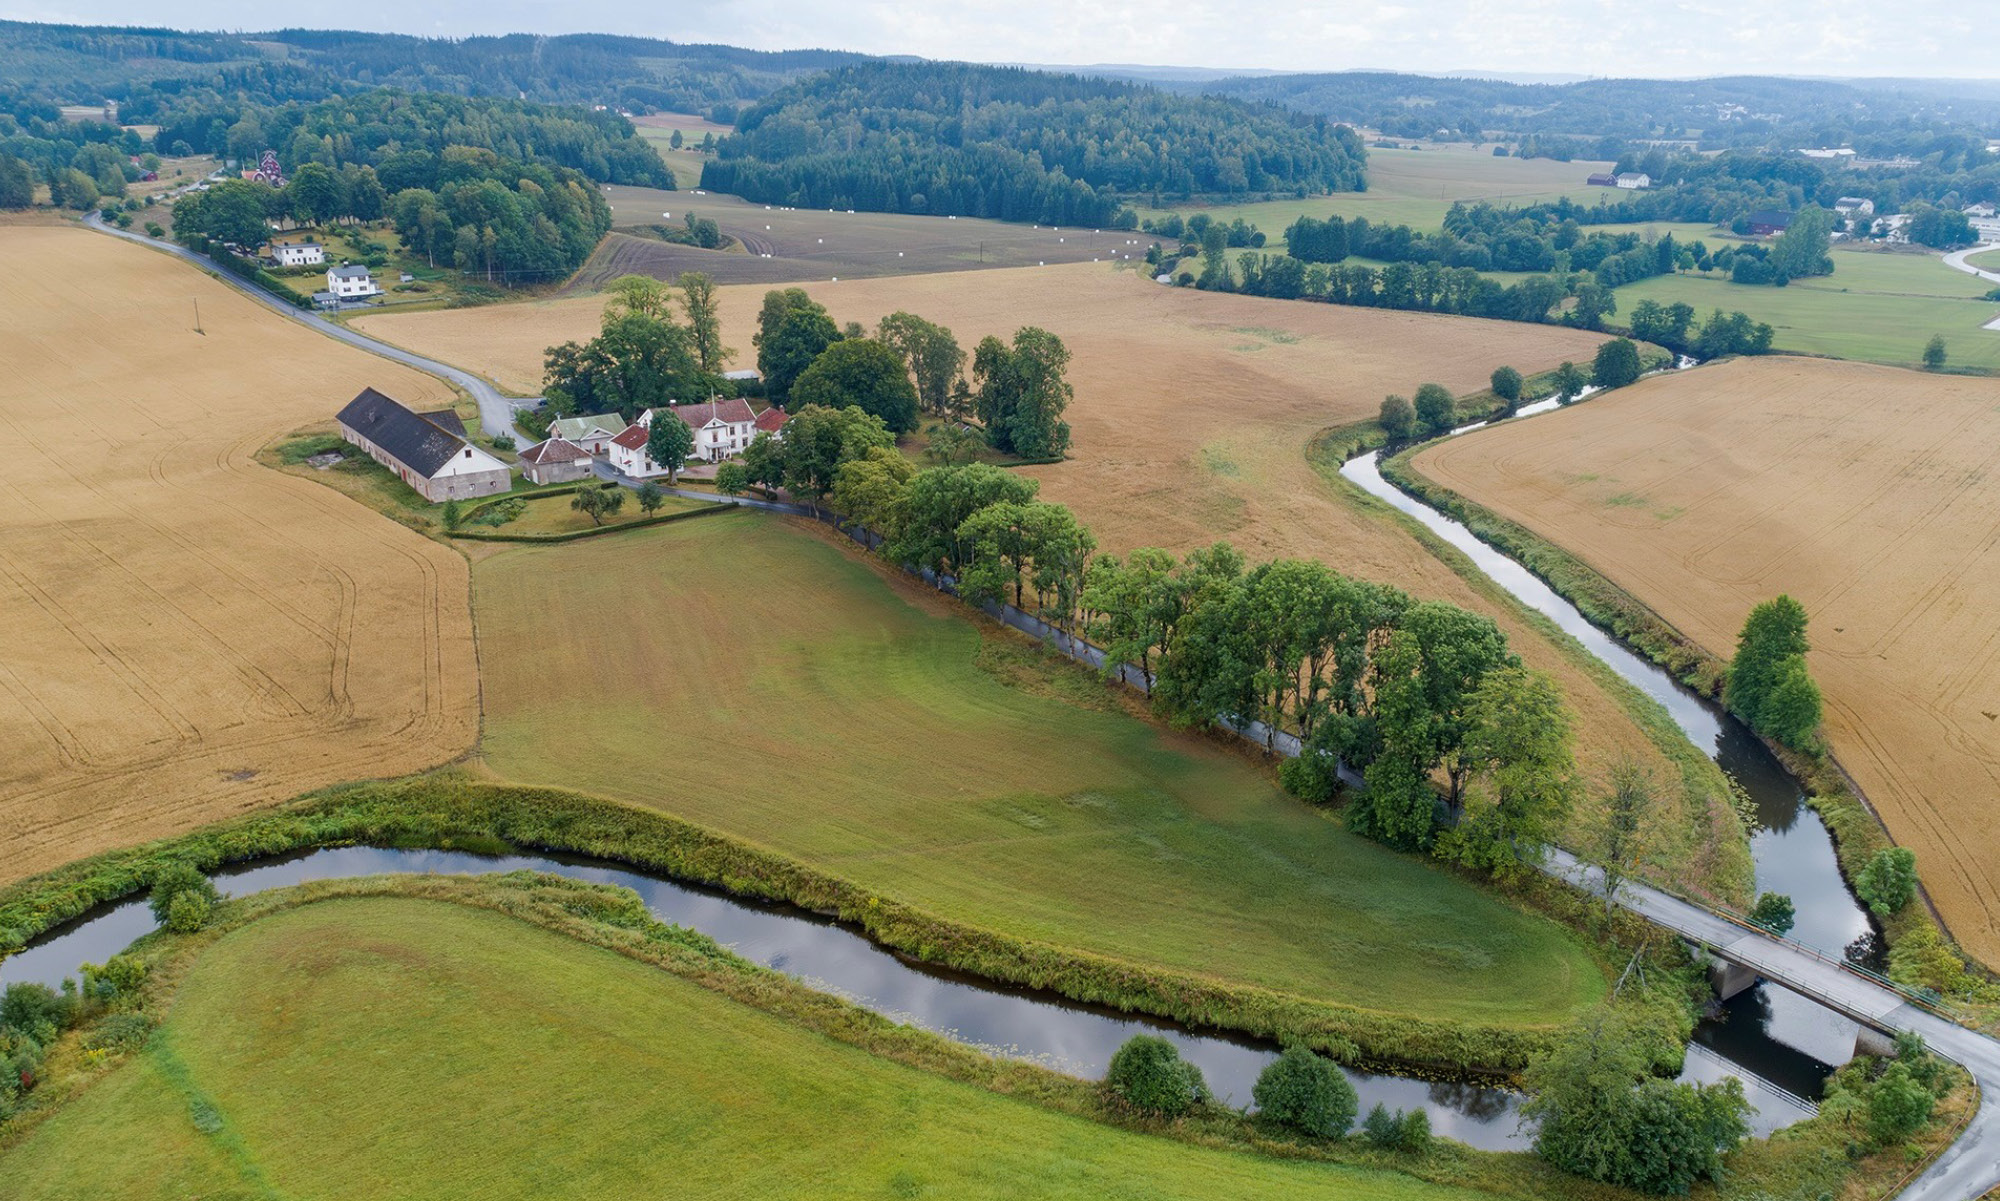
point(351, 282)
point(628, 455)
point(1634, 180)
point(1852, 205)
point(722, 428)
point(298, 254)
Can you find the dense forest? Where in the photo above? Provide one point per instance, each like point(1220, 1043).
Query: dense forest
point(144, 68)
point(1015, 144)
point(1597, 118)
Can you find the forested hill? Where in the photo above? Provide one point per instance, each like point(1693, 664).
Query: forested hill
point(84, 64)
point(1018, 145)
point(1743, 112)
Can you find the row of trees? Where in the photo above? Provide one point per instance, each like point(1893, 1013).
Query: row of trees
point(1673, 326)
point(643, 356)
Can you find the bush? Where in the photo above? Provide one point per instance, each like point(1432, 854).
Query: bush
point(1307, 1093)
point(1617, 364)
point(503, 442)
point(1413, 1134)
point(189, 912)
point(1149, 1075)
point(177, 877)
point(1774, 912)
point(30, 1007)
point(1889, 881)
point(1398, 419)
point(1312, 777)
point(1383, 1128)
point(1898, 1106)
point(120, 1032)
point(1507, 386)
point(1436, 410)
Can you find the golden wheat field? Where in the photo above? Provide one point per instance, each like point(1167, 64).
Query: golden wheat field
point(190, 634)
point(1869, 493)
point(1191, 417)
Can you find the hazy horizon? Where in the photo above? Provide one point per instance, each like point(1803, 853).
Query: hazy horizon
point(1528, 38)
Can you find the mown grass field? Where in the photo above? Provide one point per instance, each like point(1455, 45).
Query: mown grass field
point(1865, 492)
point(1192, 418)
point(686, 162)
point(396, 1048)
point(192, 634)
point(1418, 187)
point(742, 673)
point(1877, 307)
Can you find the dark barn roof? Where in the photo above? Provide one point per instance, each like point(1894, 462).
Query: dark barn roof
point(412, 441)
point(1771, 218)
point(446, 420)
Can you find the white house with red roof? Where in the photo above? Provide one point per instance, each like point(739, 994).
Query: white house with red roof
point(722, 428)
point(772, 421)
point(627, 453)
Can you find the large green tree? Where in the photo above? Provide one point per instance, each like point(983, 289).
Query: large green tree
point(1806, 247)
point(704, 319)
point(1617, 364)
point(17, 183)
point(1023, 390)
point(1524, 778)
point(637, 362)
point(1436, 409)
point(792, 330)
point(669, 442)
point(937, 503)
point(235, 210)
point(817, 442)
point(933, 357)
point(864, 373)
point(1763, 671)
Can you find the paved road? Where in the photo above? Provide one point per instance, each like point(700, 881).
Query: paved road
point(1969, 1167)
point(1957, 259)
point(496, 412)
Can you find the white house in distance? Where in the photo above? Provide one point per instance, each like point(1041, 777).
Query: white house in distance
point(425, 455)
point(594, 433)
point(1634, 180)
point(351, 282)
point(1850, 205)
point(298, 254)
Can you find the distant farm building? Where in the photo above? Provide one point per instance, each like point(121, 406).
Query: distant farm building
point(439, 464)
point(1634, 180)
point(1854, 205)
point(593, 433)
point(555, 461)
point(1766, 222)
point(301, 254)
point(746, 375)
point(772, 421)
point(267, 171)
point(351, 282)
point(1601, 179)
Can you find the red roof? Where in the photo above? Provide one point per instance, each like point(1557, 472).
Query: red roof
point(733, 410)
point(771, 419)
point(555, 450)
point(634, 437)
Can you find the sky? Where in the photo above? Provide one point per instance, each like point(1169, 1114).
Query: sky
point(1571, 37)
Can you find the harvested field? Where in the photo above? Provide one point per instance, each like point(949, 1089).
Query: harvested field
point(191, 634)
point(1867, 493)
point(1191, 419)
point(820, 244)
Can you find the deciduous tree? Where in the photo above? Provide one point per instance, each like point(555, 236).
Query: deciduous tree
point(863, 373)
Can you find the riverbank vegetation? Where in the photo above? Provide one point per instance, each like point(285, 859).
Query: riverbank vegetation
point(409, 1010)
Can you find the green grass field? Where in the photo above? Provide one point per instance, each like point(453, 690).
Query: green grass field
point(741, 673)
point(397, 1048)
point(1876, 307)
point(1417, 187)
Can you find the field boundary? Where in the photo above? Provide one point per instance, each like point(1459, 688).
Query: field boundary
point(637, 523)
point(447, 810)
point(1857, 828)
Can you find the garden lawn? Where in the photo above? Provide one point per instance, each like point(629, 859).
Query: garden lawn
point(397, 1048)
point(742, 673)
point(1876, 307)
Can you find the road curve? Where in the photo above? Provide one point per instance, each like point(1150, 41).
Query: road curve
point(496, 412)
point(1956, 259)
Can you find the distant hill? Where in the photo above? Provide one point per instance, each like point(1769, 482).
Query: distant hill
point(1018, 145)
point(86, 64)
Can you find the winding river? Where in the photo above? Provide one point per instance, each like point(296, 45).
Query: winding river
point(1774, 1033)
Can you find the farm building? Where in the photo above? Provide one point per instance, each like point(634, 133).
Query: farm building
point(628, 453)
point(772, 421)
point(1634, 180)
point(1765, 222)
point(744, 375)
point(555, 461)
point(1850, 205)
point(447, 420)
point(298, 254)
point(429, 458)
point(1601, 179)
point(721, 427)
point(593, 433)
point(351, 282)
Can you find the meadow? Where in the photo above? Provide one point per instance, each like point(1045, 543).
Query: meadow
point(743, 673)
point(822, 244)
point(1863, 491)
point(1877, 307)
point(191, 634)
point(1418, 187)
point(360, 1046)
point(685, 162)
point(1192, 420)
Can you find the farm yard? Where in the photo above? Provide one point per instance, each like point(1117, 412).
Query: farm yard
point(410, 1028)
point(875, 733)
point(1863, 491)
point(191, 634)
point(1192, 417)
point(1876, 307)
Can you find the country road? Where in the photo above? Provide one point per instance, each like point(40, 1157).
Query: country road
point(496, 412)
point(1956, 260)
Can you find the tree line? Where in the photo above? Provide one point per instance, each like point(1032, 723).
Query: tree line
point(1018, 145)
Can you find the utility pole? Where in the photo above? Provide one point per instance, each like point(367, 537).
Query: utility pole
point(197, 318)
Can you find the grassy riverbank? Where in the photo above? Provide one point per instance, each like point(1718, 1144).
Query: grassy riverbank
point(358, 1038)
point(785, 691)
